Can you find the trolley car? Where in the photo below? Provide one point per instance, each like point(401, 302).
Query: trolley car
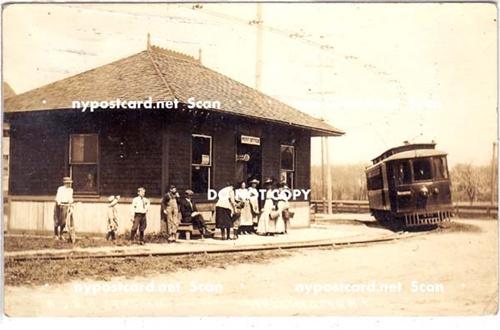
point(409, 186)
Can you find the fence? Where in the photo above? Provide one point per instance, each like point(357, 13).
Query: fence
point(461, 209)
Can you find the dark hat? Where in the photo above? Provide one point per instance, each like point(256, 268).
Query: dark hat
point(172, 187)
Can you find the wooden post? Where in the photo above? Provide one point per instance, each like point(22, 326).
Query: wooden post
point(9, 213)
point(328, 177)
point(164, 168)
point(493, 172)
point(323, 175)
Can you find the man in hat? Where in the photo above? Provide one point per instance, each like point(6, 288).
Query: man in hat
point(190, 214)
point(170, 212)
point(140, 206)
point(112, 218)
point(64, 200)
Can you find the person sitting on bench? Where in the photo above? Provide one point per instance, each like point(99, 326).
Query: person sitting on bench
point(190, 214)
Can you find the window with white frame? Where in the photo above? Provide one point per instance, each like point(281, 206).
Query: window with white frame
point(83, 162)
point(201, 163)
point(287, 165)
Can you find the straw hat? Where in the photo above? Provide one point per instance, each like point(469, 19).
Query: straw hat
point(113, 200)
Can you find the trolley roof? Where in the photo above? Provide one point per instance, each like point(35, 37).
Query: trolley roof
point(403, 148)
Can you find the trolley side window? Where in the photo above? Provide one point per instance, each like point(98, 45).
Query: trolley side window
point(422, 169)
point(440, 168)
point(402, 172)
point(375, 181)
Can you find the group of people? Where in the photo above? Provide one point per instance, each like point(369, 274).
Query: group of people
point(244, 212)
point(172, 205)
point(238, 209)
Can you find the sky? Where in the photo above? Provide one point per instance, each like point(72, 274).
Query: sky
point(383, 73)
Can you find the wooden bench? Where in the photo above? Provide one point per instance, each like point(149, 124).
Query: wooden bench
point(207, 212)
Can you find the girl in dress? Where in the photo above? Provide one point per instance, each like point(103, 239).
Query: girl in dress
point(283, 221)
point(242, 197)
point(254, 204)
point(267, 225)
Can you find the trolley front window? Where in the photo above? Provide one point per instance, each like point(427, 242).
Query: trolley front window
point(422, 169)
point(440, 168)
point(402, 172)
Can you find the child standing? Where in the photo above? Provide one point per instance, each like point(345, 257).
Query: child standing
point(112, 218)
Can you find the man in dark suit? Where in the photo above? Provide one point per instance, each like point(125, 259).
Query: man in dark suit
point(189, 213)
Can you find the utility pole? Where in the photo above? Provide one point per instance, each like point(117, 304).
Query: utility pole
point(323, 176)
point(328, 177)
point(493, 173)
point(325, 148)
point(258, 54)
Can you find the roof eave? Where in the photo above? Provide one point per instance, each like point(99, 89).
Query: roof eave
point(316, 131)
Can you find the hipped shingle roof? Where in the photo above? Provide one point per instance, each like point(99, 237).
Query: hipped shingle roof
point(164, 75)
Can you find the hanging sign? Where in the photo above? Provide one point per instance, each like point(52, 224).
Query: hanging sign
point(243, 158)
point(205, 159)
point(254, 140)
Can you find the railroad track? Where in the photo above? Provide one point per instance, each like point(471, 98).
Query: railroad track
point(20, 257)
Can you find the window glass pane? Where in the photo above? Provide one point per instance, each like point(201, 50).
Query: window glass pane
point(84, 178)
point(440, 167)
point(201, 154)
point(287, 176)
point(422, 169)
point(90, 149)
point(287, 158)
point(199, 179)
point(402, 172)
point(77, 143)
point(375, 180)
point(84, 148)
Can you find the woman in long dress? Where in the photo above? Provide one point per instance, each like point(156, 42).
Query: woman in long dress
point(242, 198)
point(254, 204)
point(267, 225)
point(224, 210)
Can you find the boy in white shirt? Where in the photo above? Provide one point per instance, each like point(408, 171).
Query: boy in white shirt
point(140, 206)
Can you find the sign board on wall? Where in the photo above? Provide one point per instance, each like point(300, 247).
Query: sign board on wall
point(247, 139)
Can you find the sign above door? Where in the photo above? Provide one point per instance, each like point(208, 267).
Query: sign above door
point(247, 139)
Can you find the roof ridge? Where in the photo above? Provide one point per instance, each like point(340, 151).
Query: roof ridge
point(158, 72)
point(173, 53)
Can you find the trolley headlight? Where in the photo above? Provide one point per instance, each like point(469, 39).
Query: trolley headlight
point(424, 192)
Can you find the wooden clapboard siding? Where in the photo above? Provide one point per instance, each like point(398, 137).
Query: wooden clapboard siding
point(89, 217)
point(302, 215)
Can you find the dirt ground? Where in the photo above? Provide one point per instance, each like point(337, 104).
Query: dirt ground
point(446, 272)
point(23, 243)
